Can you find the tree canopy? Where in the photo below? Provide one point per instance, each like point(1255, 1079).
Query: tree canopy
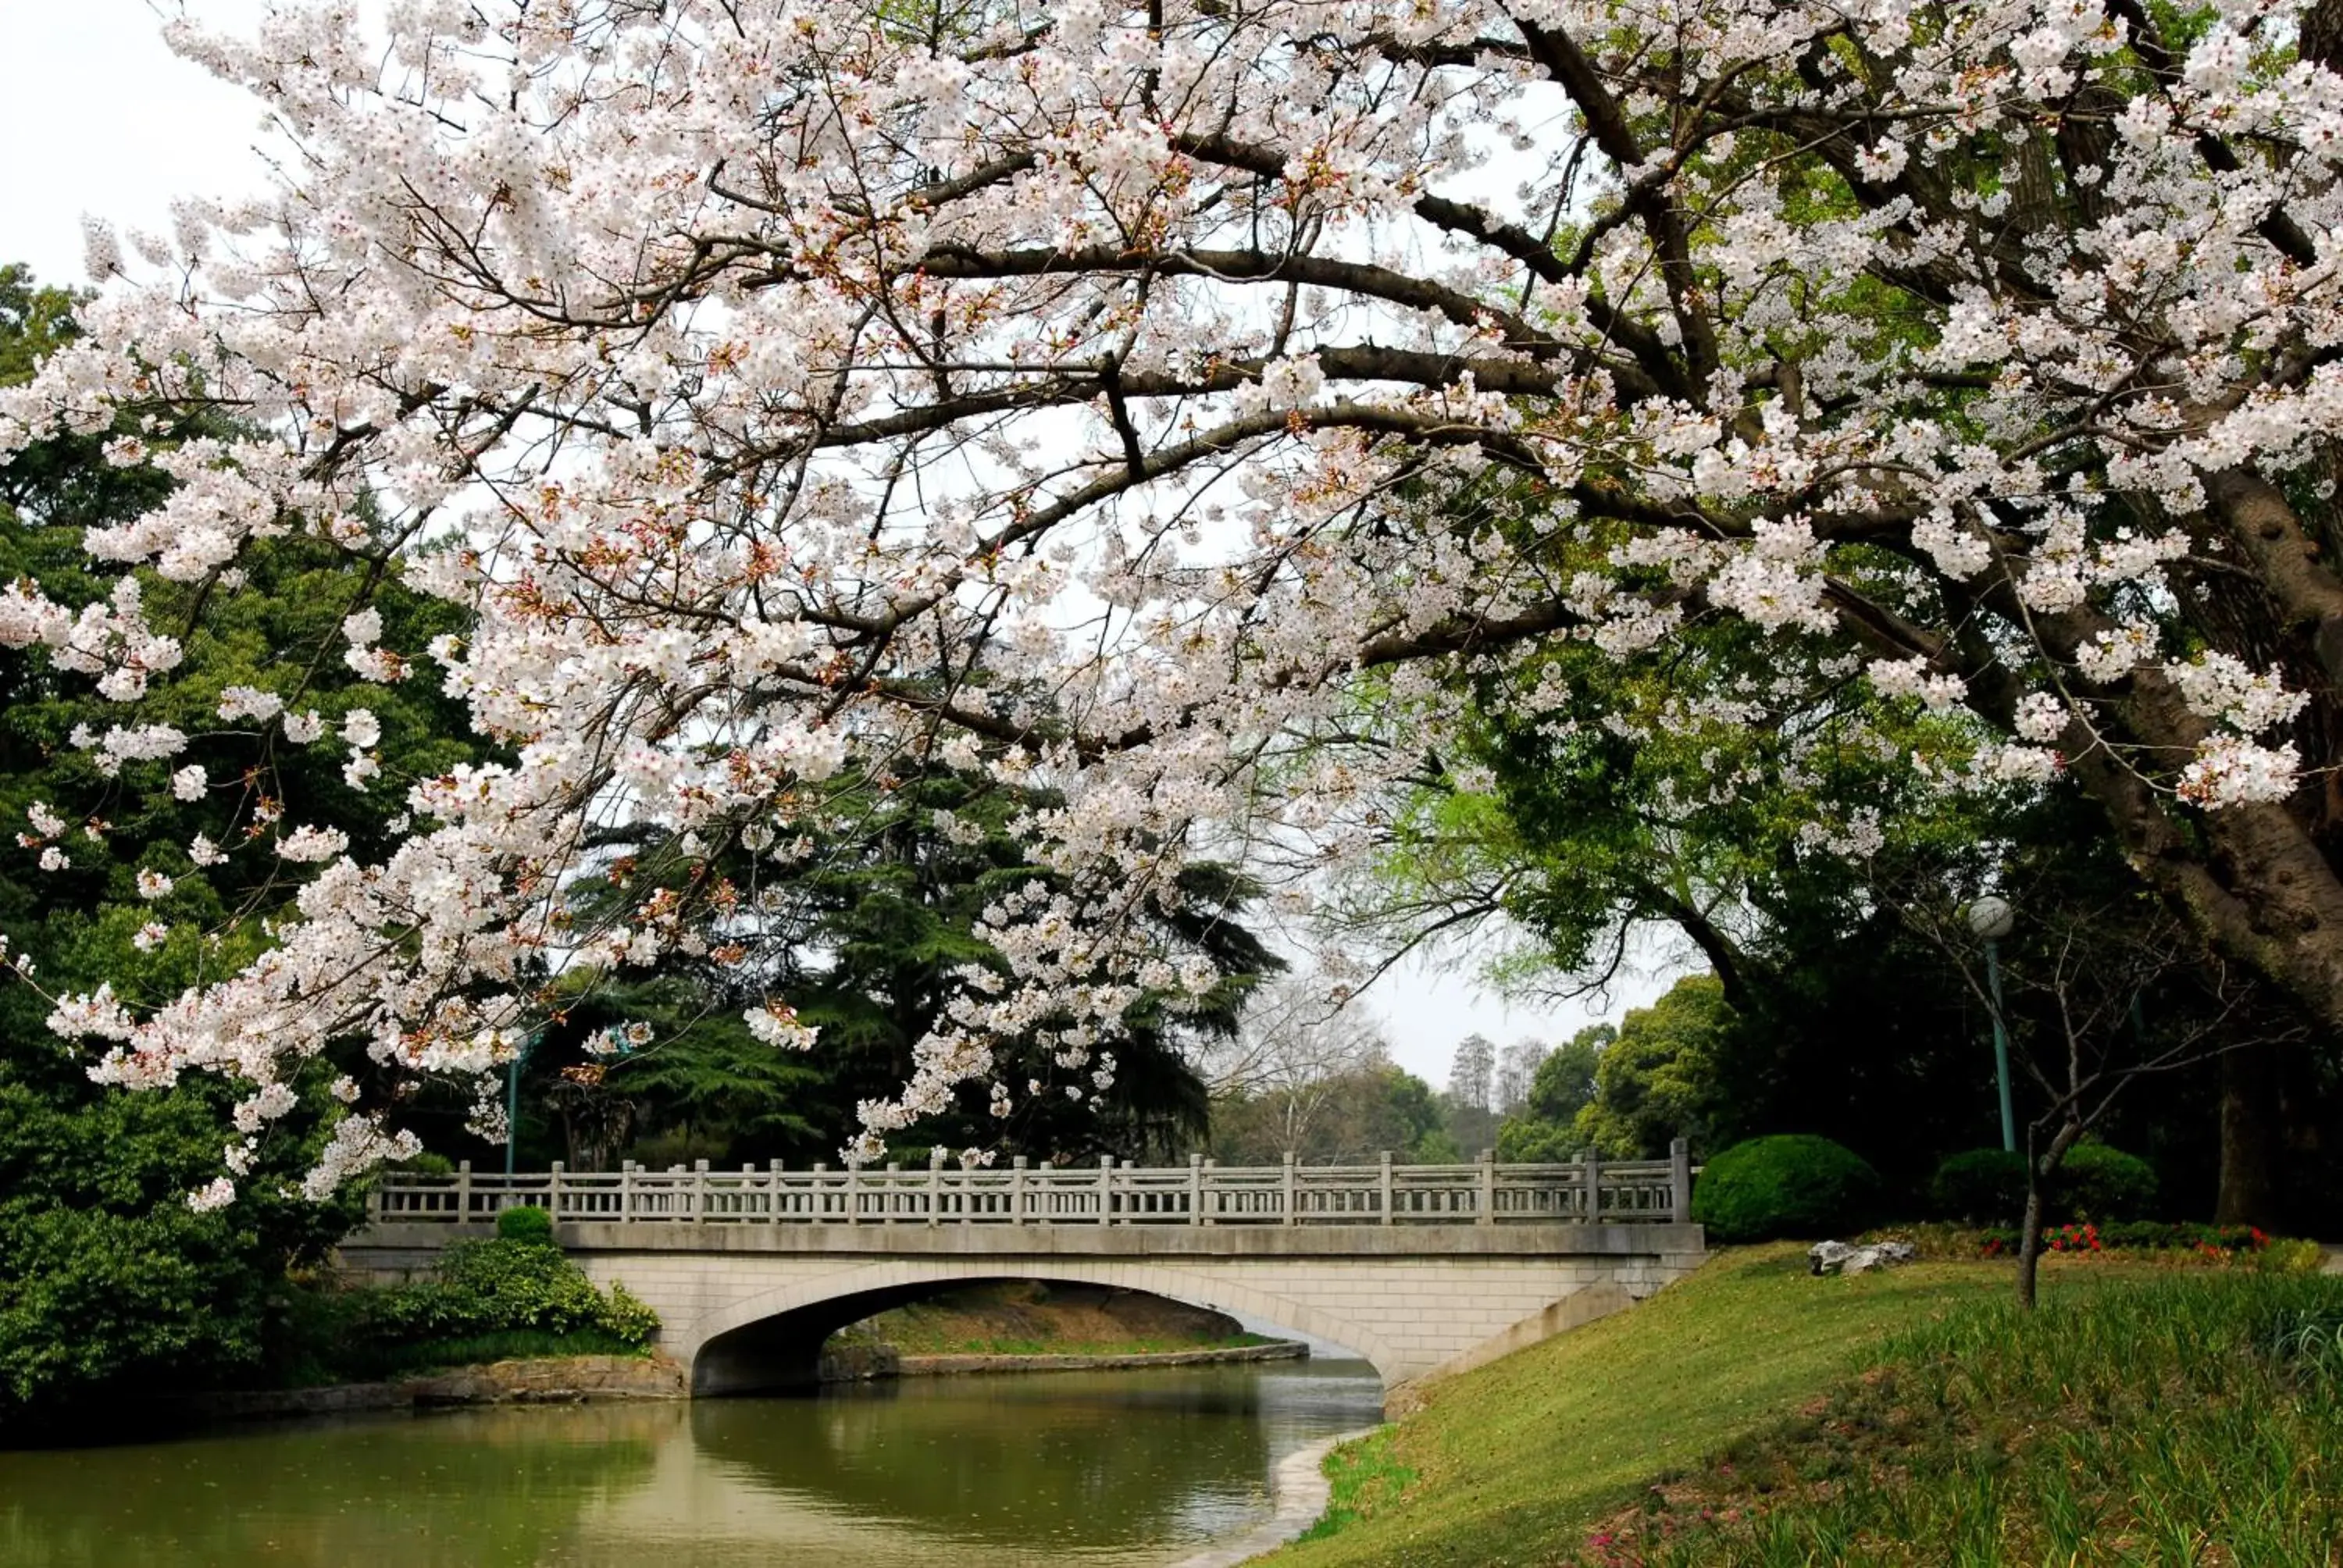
point(1165, 405)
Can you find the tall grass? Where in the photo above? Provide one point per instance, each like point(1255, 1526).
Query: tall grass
point(1361, 1474)
point(2180, 1420)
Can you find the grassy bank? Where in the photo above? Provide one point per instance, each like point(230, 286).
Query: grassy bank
point(1821, 1420)
point(1024, 1317)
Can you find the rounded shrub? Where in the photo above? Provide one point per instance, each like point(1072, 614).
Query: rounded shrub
point(525, 1224)
point(1795, 1184)
point(2103, 1185)
point(1980, 1187)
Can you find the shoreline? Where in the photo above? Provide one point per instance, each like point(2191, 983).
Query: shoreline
point(882, 1365)
point(542, 1380)
point(1298, 1489)
point(590, 1380)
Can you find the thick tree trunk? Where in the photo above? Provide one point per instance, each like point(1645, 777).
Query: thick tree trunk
point(2253, 880)
point(2249, 878)
point(2253, 1138)
point(2322, 35)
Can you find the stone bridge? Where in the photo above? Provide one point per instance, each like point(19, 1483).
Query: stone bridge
point(1421, 1270)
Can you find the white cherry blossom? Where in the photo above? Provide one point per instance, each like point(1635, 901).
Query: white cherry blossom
point(1176, 408)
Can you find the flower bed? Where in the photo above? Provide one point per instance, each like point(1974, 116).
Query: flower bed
point(2214, 1243)
point(2154, 1243)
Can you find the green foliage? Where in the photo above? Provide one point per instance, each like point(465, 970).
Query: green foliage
point(108, 1281)
point(370, 1363)
point(494, 1286)
point(1658, 1080)
point(1566, 1083)
point(527, 1223)
point(628, 1318)
point(108, 1278)
point(1346, 1119)
point(869, 946)
point(1362, 1477)
point(1522, 1142)
point(1980, 1187)
point(2100, 1184)
point(329, 1335)
point(1791, 1184)
point(704, 1088)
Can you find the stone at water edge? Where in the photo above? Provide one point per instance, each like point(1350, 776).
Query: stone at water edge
point(1838, 1258)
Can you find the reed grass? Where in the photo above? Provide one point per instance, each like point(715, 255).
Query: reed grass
point(2177, 1420)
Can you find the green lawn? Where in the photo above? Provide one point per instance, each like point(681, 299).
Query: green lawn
point(1516, 1463)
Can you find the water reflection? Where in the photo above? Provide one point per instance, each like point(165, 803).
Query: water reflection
point(1109, 1470)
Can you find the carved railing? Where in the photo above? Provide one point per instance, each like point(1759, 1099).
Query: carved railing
point(1581, 1191)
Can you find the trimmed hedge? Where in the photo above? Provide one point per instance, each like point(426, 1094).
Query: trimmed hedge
point(2101, 1184)
point(525, 1224)
point(1980, 1187)
point(1791, 1185)
point(2094, 1183)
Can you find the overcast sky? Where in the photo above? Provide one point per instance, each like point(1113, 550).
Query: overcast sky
point(100, 118)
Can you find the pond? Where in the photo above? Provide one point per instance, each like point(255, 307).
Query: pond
point(1105, 1470)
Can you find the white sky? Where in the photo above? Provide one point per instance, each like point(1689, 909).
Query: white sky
point(100, 118)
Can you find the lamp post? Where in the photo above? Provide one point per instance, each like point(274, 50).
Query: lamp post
point(512, 1099)
point(1993, 918)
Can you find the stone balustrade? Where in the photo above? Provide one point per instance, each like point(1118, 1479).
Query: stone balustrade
point(1586, 1191)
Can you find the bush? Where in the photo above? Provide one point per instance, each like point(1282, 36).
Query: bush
point(525, 1224)
point(628, 1318)
point(2101, 1184)
point(487, 1287)
point(2094, 1183)
point(1981, 1187)
point(1791, 1185)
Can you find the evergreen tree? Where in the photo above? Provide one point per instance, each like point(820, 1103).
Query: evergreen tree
point(861, 930)
point(108, 1279)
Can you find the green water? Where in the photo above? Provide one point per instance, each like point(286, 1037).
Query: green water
point(1106, 1470)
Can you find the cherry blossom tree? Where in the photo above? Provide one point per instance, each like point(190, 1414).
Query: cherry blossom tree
point(1171, 401)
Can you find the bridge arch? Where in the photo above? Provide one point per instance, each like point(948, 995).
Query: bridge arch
point(770, 1340)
